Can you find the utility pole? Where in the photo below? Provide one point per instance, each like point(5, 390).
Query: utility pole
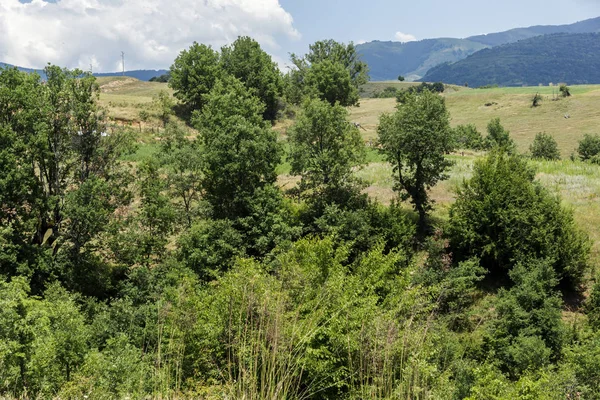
point(123, 62)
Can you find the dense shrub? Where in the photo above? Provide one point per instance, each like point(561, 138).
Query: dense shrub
point(544, 147)
point(589, 147)
point(503, 216)
point(468, 137)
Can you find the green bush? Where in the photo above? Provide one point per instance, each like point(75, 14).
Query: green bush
point(544, 147)
point(503, 216)
point(589, 147)
point(468, 137)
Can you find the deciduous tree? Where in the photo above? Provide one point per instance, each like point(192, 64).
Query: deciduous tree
point(415, 140)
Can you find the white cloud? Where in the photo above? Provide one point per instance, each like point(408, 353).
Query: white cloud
point(77, 33)
point(404, 37)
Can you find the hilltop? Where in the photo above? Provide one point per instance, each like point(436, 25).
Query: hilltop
point(387, 60)
point(571, 58)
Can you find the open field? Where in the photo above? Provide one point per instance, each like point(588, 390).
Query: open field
point(125, 97)
point(513, 107)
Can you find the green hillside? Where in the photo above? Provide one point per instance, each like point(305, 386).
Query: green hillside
point(571, 58)
point(387, 60)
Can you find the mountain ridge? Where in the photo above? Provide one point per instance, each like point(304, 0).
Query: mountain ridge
point(388, 60)
point(572, 58)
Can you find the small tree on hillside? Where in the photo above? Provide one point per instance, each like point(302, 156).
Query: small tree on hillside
point(499, 137)
point(544, 147)
point(536, 100)
point(565, 91)
point(589, 147)
point(415, 140)
point(324, 149)
point(401, 78)
point(338, 75)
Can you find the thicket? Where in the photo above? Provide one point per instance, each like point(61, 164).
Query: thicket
point(191, 274)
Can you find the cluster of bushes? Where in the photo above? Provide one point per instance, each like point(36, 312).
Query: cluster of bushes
point(437, 87)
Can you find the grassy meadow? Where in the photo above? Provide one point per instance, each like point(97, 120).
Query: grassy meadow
point(577, 183)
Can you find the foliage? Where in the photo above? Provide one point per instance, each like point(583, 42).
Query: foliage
point(164, 104)
point(468, 137)
point(544, 147)
point(389, 92)
point(182, 160)
point(415, 140)
point(331, 82)
point(331, 71)
point(536, 100)
point(498, 137)
point(55, 205)
point(400, 78)
point(565, 91)
point(193, 75)
point(528, 332)
point(325, 148)
point(437, 87)
point(503, 217)
point(589, 147)
point(240, 150)
point(245, 60)
point(164, 78)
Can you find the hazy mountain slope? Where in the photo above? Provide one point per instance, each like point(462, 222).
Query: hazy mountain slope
point(514, 35)
point(387, 60)
point(571, 58)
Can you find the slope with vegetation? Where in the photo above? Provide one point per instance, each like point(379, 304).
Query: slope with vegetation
point(571, 58)
point(387, 60)
point(190, 273)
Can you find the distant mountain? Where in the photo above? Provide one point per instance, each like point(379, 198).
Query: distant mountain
point(570, 58)
point(514, 35)
point(142, 75)
point(387, 60)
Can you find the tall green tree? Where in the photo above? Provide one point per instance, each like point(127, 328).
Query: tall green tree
point(241, 150)
point(346, 55)
point(193, 75)
point(415, 140)
point(321, 72)
point(331, 82)
point(59, 152)
point(248, 62)
point(325, 147)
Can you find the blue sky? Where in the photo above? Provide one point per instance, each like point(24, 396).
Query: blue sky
point(77, 33)
point(357, 20)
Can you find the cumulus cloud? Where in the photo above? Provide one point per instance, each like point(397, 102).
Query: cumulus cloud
point(404, 37)
point(77, 33)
